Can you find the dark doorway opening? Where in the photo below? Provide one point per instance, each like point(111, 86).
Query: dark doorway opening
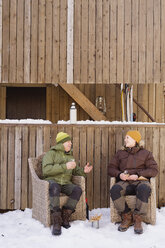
point(26, 102)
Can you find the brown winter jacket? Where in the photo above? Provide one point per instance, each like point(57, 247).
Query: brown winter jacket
point(136, 160)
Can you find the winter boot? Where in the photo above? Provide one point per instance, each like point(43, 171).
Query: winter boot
point(138, 224)
point(126, 222)
point(66, 213)
point(57, 222)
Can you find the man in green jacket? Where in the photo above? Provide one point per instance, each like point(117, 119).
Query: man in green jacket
point(58, 166)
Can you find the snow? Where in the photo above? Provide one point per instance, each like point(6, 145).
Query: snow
point(19, 230)
point(87, 122)
point(25, 121)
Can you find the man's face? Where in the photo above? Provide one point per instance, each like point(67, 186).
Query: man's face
point(67, 145)
point(129, 142)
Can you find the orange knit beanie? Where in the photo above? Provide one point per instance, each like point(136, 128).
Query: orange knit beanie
point(134, 135)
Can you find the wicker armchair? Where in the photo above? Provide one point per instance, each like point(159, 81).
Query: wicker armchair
point(40, 194)
point(131, 201)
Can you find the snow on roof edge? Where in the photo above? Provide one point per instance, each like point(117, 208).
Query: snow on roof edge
point(25, 121)
point(110, 122)
point(87, 122)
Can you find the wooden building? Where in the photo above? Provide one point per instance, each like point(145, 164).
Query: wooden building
point(92, 44)
point(82, 41)
point(54, 52)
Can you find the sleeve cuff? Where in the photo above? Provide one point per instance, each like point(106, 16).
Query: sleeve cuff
point(118, 177)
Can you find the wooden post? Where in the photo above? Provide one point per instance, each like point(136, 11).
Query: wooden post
point(3, 167)
point(70, 41)
point(13, 65)
point(2, 102)
point(18, 158)
point(27, 20)
point(0, 40)
point(48, 40)
point(34, 41)
point(5, 41)
point(20, 45)
point(63, 42)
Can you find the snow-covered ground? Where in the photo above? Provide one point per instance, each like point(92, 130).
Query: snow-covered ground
point(19, 230)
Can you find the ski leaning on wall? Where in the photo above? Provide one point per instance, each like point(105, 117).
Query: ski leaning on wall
point(128, 102)
point(122, 103)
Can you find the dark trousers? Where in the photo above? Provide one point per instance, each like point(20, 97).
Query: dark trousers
point(73, 191)
point(141, 189)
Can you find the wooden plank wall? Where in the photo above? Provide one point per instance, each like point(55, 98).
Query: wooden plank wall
point(94, 143)
point(34, 41)
point(114, 41)
point(122, 42)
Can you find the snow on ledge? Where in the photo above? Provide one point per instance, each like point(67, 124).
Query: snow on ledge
point(87, 122)
point(25, 121)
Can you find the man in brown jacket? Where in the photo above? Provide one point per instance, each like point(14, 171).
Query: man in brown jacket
point(129, 166)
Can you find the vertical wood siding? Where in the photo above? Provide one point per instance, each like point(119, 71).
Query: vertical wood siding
point(91, 143)
point(34, 41)
point(124, 42)
point(113, 41)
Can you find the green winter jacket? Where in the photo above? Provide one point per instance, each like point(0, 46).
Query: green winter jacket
point(54, 165)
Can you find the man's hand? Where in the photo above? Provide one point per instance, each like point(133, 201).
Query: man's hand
point(71, 165)
point(88, 168)
point(124, 176)
point(133, 177)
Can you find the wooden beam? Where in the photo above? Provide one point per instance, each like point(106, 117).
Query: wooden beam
point(48, 103)
point(2, 102)
point(83, 101)
point(0, 40)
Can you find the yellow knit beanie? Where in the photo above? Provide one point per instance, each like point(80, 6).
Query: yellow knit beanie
point(134, 135)
point(62, 137)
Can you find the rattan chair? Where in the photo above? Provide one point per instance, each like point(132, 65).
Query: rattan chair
point(40, 194)
point(150, 218)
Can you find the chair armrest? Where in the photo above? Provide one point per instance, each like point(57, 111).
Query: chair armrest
point(112, 181)
point(80, 181)
point(33, 173)
point(153, 181)
point(39, 185)
point(153, 188)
